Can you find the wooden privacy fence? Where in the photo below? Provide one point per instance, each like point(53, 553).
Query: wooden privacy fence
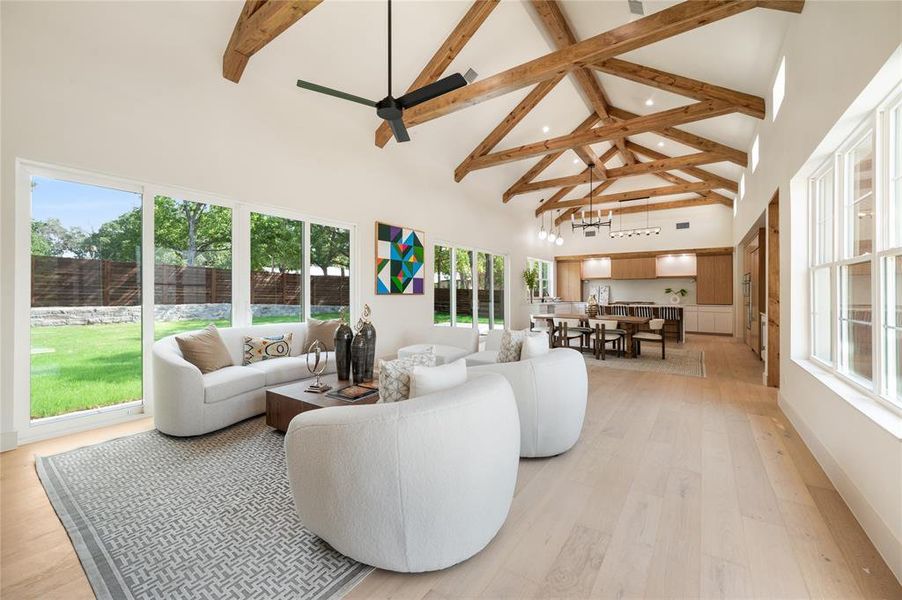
point(442, 302)
point(59, 281)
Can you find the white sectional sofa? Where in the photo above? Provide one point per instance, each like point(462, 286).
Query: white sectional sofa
point(187, 402)
point(449, 343)
point(410, 486)
point(551, 392)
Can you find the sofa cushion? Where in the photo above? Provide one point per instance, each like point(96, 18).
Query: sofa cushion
point(428, 380)
point(511, 345)
point(291, 368)
point(257, 349)
point(443, 354)
point(230, 381)
point(204, 349)
point(394, 375)
point(535, 344)
point(322, 331)
point(486, 357)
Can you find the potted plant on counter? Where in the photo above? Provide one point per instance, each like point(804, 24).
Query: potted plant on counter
point(531, 279)
point(675, 295)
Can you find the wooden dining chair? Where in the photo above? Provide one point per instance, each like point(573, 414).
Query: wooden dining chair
point(606, 332)
point(564, 329)
point(654, 336)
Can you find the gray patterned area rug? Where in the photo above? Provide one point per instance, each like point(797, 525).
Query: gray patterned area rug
point(678, 361)
point(153, 516)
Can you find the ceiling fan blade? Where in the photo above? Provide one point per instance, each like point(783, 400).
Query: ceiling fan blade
point(432, 90)
point(313, 87)
point(399, 130)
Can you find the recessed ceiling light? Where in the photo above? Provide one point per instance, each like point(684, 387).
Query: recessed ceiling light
point(546, 129)
point(660, 144)
point(649, 102)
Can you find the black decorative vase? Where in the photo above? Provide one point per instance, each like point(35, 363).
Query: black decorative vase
point(369, 333)
point(343, 337)
point(358, 358)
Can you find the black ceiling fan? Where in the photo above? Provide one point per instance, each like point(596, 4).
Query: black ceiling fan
point(390, 108)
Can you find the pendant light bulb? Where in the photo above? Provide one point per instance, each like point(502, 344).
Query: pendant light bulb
point(552, 237)
point(559, 241)
point(542, 233)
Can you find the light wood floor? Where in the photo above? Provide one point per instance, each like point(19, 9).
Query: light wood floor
point(680, 487)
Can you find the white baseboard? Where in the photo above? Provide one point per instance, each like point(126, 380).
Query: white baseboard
point(874, 526)
point(9, 440)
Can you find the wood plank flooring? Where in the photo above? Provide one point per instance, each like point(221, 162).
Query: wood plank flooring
point(679, 487)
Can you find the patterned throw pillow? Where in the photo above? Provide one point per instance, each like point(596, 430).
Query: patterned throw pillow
point(511, 345)
point(265, 348)
point(394, 375)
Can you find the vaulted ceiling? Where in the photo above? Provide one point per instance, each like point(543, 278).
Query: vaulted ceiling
point(664, 106)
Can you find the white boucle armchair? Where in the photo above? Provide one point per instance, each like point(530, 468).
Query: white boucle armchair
point(409, 486)
point(551, 392)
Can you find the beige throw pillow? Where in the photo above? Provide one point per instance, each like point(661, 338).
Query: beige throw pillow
point(204, 349)
point(511, 345)
point(324, 331)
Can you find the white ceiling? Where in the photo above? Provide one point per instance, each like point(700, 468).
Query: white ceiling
point(342, 44)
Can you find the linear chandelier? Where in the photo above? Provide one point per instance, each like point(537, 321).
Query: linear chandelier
point(590, 228)
point(638, 231)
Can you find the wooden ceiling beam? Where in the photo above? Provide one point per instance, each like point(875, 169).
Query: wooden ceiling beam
point(260, 22)
point(652, 122)
point(556, 25)
point(690, 139)
point(506, 125)
point(642, 168)
point(546, 160)
point(655, 27)
point(446, 53)
point(625, 210)
point(685, 188)
point(684, 86)
point(721, 182)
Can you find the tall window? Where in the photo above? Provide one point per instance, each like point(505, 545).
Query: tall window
point(545, 270)
point(855, 257)
point(442, 286)
point(192, 265)
point(779, 89)
point(330, 271)
point(468, 288)
point(85, 297)
point(277, 269)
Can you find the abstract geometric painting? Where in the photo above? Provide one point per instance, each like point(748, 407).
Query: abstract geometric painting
point(400, 262)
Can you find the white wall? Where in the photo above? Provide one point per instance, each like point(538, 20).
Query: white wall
point(133, 89)
point(709, 227)
point(832, 51)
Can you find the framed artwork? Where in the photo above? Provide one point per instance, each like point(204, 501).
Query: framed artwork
point(400, 260)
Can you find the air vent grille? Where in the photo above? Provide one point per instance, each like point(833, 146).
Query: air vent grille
point(683, 225)
point(636, 7)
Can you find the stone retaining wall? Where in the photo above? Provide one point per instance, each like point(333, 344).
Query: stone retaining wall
point(53, 316)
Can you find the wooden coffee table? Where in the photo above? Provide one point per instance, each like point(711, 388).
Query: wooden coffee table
point(285, 402)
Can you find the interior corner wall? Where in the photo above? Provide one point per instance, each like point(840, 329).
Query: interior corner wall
point(833, 50)
point(126, 89)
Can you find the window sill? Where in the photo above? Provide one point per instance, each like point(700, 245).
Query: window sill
point(886, 417)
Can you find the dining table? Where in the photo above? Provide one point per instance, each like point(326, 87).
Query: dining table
point(629, 323)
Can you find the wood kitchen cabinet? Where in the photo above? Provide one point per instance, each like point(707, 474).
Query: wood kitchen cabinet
point(714, 279)
point(633, 268)
point(569, 283)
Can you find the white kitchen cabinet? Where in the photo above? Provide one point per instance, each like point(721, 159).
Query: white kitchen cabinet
point(709, 319)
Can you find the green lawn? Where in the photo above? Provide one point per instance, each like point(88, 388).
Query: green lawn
point(76, 367)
